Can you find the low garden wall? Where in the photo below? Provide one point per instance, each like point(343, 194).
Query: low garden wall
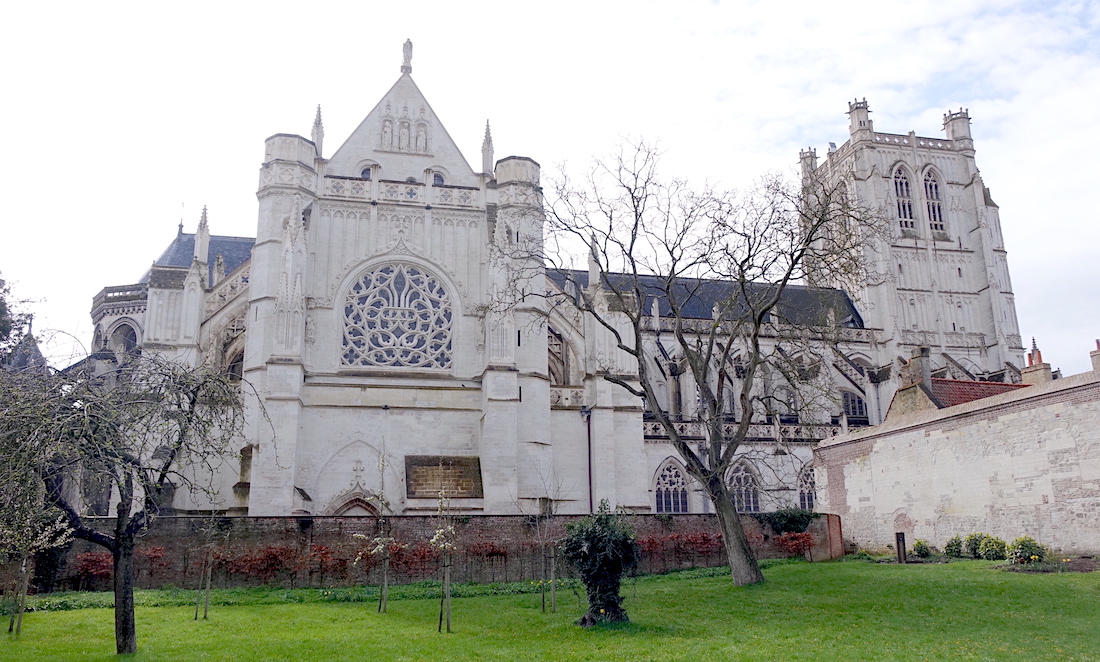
point(325, 551)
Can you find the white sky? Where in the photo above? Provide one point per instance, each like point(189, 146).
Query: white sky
point(118, 113)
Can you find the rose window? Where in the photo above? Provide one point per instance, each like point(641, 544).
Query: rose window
point(397, 316)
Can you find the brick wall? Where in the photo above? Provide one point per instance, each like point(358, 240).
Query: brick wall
point(320, 551)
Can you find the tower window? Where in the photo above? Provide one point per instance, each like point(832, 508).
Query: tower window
point(933, 203)
point(904, 195)
point(437, 179)
point(366, 173)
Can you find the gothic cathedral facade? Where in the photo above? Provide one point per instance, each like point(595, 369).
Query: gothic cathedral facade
point(362, 316)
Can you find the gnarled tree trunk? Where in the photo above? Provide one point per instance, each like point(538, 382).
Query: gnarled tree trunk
point(125, 632)
point(743, 566)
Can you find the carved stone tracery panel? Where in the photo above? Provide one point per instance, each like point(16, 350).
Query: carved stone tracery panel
point(398, 316)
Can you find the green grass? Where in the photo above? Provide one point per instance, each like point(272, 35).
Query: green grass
point(829, 611)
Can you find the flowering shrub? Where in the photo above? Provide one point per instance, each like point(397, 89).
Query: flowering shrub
point(954, 548)
point(263, 564)
point(417, 561)
point(1026, 550)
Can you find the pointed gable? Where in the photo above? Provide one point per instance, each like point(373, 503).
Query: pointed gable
point(402, 138)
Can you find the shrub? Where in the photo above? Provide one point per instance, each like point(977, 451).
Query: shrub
point(973, 542)
point(954, 548)
point(787, 520)
point(602, 548)
point(94, 565)
point(1026, 550)
point(992, 549)
point(921, 548)
point(795, 543)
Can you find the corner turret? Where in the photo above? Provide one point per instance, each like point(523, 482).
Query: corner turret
point(957, 126)
point(859, 114)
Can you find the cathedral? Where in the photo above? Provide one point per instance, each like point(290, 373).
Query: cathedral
point(361, 316)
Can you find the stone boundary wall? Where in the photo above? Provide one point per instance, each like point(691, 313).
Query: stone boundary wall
point(321, 551)
point(1025, 463)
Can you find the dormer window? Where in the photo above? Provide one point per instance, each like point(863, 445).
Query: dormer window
point(437, 179)
point(366, 173)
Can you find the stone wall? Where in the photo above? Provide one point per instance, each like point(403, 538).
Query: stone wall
point(1025, 463)
point(321, 551)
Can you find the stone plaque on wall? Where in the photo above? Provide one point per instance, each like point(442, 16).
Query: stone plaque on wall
point(459, 477)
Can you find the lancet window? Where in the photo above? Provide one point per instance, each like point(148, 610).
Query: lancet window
point(933, 202)
point(557, 359)
point(672, 493)
point(744, 489)
point(855, 409)
point(398, 316)
point(807, 492)
point(904, 195)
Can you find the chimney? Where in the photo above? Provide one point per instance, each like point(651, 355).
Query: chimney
point(1036, 371)
point(1095, 356)
point(919, 369)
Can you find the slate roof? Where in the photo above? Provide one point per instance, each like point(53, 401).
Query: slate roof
point(951, 392)
point(234, 250)
point(799, 304)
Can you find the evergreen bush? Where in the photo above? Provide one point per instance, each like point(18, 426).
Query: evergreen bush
point(1026, 550)
point(921, 548)
point(954, 548)
point(973, 542)
point(992, 549)
point(602, 548)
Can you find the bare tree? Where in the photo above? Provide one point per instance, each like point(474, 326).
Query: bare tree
point(705, 286)
point(138, 433)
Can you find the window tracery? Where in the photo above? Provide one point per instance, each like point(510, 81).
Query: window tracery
point(398, 316)
point(557, 358)
point(744, 489)
point(671, 490)
point(904, 195)
point(807, 491)
point(933, 202)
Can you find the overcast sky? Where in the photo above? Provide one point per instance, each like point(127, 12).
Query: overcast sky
point(123, 118)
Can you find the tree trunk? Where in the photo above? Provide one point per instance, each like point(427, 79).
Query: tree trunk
point(125, 634)
point(743, 566)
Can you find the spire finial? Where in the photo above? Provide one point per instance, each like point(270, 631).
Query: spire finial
point(318, 133)
point(487, 151)
point(407, 57)
point(202, 219)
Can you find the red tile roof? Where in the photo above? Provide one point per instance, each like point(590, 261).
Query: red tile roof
point(951, 392)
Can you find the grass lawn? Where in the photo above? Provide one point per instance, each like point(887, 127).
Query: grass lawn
point(826, 611)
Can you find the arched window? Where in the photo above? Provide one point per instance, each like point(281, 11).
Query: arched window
point(904, 196)
point(366, 173)
point(744, 489)
point(933, 202)
point(557, 358)
point(854, 408)
point(807, 492)
point(671, 489)
point(124, 340)
point(397, 316)
point(437, 179)
point(235, 368)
